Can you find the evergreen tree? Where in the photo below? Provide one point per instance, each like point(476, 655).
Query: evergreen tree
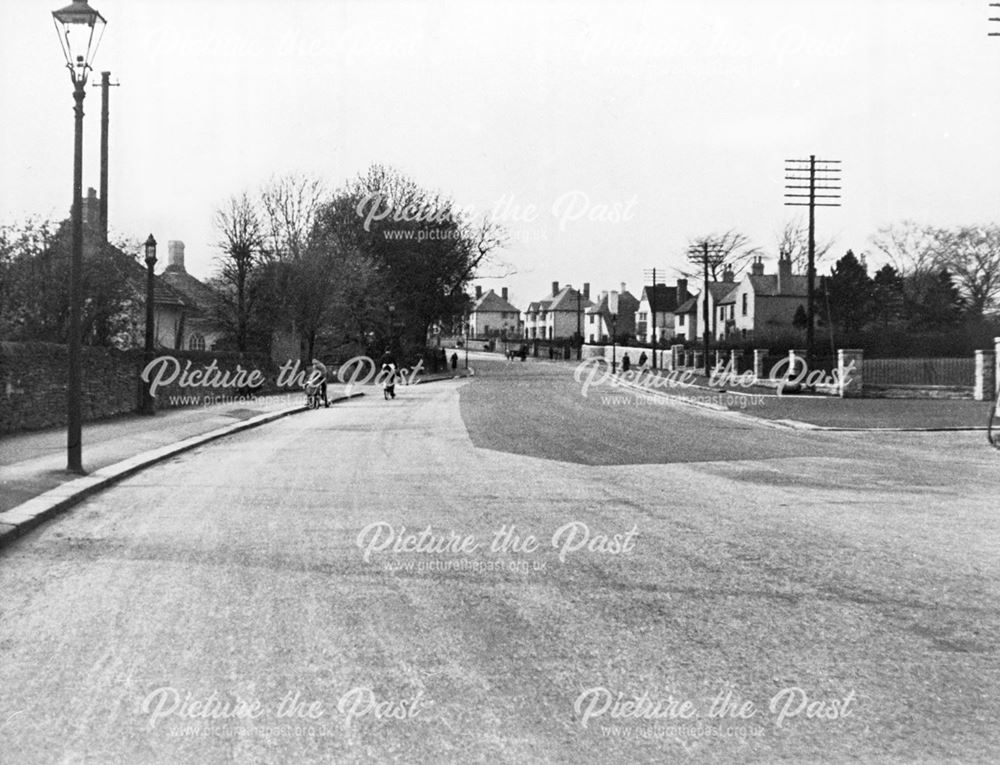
point(850, 291)
point(887, 296)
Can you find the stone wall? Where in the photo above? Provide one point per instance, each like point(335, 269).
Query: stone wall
point(33, 382)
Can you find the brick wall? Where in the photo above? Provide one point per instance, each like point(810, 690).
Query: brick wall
point(33, 382)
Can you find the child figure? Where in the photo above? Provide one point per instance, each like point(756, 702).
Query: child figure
point(389, 381)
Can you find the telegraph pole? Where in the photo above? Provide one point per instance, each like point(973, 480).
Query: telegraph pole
point(820, 175)
point(651, 273)
point(703, 251)
point(994, 18)
point(104, 85)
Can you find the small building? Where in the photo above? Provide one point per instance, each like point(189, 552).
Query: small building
point(764, 305)
point(558, 316)
point(493, 315)
point(197, 327)
point(657, 309)
point(600, 323)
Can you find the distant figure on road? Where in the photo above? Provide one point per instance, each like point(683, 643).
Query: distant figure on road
point(626, 363)
point(454, 362)
point(642, 358)
point(317, 376)
point(389, 381)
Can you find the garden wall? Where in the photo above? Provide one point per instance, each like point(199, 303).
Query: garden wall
point(33, 382)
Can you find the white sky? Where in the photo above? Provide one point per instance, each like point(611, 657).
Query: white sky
point(688, 108)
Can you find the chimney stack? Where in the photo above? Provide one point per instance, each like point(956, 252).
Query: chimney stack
point(682, 290)
point(479, 291)
point(503, 292)
point(727, 274)
point(623, 289)
point(586, 290)
point(555, 287)
point(784, 274)
point(175, 255)
point(757, 268)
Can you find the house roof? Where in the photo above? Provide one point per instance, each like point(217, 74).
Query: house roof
point(662, 299)
point(566, 300)
point(766, 285)
point(196, 294)
point(492, 302)
point(719, 290)
point(688, 306)
point(627, 305)
point(730, 296)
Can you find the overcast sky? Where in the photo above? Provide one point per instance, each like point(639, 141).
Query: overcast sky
point(680, 114)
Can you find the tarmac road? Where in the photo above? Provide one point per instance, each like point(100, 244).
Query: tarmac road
point(245, 603)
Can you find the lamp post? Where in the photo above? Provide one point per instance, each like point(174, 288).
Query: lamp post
point(613, 310)
point(77, 25)
point(150, 247)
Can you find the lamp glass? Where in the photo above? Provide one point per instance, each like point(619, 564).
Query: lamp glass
point(79, 28)
point(150, 246)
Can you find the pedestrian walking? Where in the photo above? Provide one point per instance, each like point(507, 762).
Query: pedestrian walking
point(626, 363)
point(454, 362)
point(642, 359)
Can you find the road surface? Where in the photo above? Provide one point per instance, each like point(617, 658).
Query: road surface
point(579, 579)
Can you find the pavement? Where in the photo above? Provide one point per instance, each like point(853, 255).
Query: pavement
point(34, 482)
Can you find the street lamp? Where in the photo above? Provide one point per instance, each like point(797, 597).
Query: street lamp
point(613, 310)
point(150, 247)
point(80, 29)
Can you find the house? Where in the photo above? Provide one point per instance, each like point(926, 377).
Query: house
point(689, 315)
point(196, 328)
point(765, 305)
point(558, 316)
point(601, 326)
point(657, 308)
point(492, 315)
point(168, 304)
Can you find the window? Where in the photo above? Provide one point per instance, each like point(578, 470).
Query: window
point(680, 320)
point(591, 318)
point(642, 316)
point(197, 342)
point(745, 296)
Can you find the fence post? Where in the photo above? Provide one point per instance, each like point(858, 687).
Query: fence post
point(850, 383)
point(698, 359)
point(985, 375)
point(996, 361)
point(794, 359)
point(759, 357)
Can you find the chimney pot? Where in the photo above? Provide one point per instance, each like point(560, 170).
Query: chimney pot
point(503, 292)
point(555, 287)
point(479, 291)
point(586, 290)
point(623, 289)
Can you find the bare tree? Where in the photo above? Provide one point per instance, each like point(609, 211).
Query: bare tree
point(972, 254)
point(910, 248)
point(242, 244)
point(729, 250)
point(289, 205)
point(793, 243)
